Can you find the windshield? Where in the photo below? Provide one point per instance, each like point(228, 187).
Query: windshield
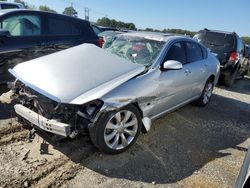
point(136, 49)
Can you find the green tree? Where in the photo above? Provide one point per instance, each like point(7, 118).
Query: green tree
point(114, 23)
point(149, 29)
point(70, 11)
point(26, 5)
point(106, 22)
point(246, 39)
point(46, 8)
point(22, 2)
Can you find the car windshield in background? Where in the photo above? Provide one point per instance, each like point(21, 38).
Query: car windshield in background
point(109, 33)
point(136, 49)
point(216, 39)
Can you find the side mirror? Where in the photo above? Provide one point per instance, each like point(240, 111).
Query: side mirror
point(171, 65)
point(4, 33)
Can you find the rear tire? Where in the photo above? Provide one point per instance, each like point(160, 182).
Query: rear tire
point(206, 94)
point(230, 79)
point(116, 131)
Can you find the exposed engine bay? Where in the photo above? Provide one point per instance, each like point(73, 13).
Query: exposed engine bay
point(78, 117)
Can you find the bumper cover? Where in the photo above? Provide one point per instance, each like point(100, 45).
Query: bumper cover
point(43, 123)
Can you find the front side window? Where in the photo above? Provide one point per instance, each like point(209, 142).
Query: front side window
point(62, 27)
point(136, 49)
point(96, 29)
point(177, 53)
point(23, 25)
point(194, 52)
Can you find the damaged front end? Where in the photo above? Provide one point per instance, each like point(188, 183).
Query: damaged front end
point(66, 120)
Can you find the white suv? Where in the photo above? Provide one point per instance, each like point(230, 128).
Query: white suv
point(5, 5)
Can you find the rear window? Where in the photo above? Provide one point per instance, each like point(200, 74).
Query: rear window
point(62, 27)
point(9, 6)
point(212, 39)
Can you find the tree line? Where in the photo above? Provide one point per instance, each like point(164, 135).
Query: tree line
point(70, 11)
point(114, 23)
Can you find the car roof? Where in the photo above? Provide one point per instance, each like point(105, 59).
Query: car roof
point(156, 36)
point(218, 31)
point(7, 11)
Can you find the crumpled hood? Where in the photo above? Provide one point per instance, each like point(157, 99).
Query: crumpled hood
point(76, 75)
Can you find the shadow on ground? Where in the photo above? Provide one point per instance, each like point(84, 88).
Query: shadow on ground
point(179, 144)
point(240, 86)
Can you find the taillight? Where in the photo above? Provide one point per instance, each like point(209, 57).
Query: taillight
point(100, 42)
point(233, 56)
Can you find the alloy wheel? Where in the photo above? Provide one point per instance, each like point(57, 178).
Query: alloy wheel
point(208, 93)
point(121, 130)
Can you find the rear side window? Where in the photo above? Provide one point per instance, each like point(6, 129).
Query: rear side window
point(62, 27)
point(96, 29)
point(23, 25)
point(9, 6)
point(194, 52)
point(240, 46)
point(204, 52)
point(177, 53)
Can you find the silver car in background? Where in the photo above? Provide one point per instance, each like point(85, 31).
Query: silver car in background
point(114, 94)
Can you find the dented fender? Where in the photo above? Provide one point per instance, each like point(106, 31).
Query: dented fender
point(117, 104)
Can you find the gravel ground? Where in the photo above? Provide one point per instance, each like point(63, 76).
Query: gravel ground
point(191, 147)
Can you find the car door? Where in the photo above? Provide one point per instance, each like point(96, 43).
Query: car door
point(23, 41)
point(174, 86)
point(196, 67)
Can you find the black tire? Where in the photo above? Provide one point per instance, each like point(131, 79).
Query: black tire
point(230, 79)
point(97, 130)
point(201, 101)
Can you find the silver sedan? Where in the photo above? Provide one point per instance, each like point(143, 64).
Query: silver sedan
point(114, 93)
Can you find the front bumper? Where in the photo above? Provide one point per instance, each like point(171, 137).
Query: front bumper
point(43, 123)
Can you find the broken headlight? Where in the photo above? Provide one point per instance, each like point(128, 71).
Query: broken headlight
point(87, 111)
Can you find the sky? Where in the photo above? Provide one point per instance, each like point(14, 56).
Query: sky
point(227, 15)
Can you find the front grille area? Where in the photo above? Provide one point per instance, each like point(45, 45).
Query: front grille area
point(38, 103)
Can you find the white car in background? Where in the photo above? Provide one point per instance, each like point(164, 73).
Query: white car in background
point(6, 5)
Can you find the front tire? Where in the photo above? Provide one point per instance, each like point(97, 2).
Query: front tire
point(206, 93)
point(116, 131)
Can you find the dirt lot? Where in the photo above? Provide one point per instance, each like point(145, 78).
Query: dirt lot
point(192, 147)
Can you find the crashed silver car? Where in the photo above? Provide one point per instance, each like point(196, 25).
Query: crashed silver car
point(114, 94)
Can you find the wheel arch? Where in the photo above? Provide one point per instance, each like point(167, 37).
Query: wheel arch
point(212, 77)
point(144, 129)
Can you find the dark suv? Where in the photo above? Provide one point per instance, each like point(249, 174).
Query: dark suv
point(230, 50)
point(28, 34)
